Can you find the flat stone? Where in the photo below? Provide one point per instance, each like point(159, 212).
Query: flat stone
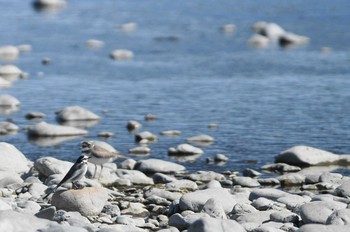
point(294, 201)
point(9, 178)
point(206, 176)
point(272, 194)
point(136, 210)
point(212, 224)
point(160, 178)
point(183, 222)
point(47, 130)
point(172, 196)
point(8, 53)
point(262, 203)
point(140, 150)
point(133, 125)
point(94, 43)
point(185, 149)
point(35, 115)
point(284, 216)
point(69, 113)
point(344, 189)
point(145, 135)
point(11, 159)
point(250, 172)
point(291, 179)
point(241, 209)
point(281, 167)
point(171, 133)
point(245, 181)
point(47, 213)
point(195, 200)
point(200, 138)
point(257, 217)
point(157, 165)
point(135, 176)
point(88, 201)
point(319, 211)
point(122, 54)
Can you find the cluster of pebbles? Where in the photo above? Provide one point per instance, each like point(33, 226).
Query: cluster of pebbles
point(158, 195)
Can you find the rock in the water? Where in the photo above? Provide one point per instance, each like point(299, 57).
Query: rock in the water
point(200, 138)
point(127, 26)
point(11, 159)
point(281, 167)
point(133, 125)
point(306, 156)
point(319, 211)
point(9, 53)
point(122, 54)
point(4, 83)
point(206, 176)
point(8, 100)
point(135, 176)
point(145, 135)
point(94, 43)
point(35, 115)
point(289, 38)
point(228, 28)
point(88, 201)
point(185, 149)
point(46, 129)
point(213, 224)
point(8, 127)
point(195, 200)
point(220, 158)
point(259, 41)
point(157, 165)
point(171, 133)
point(9, 70)
point(75, 113)
point(245, 181)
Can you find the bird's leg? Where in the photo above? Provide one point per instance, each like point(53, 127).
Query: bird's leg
point(99, 177)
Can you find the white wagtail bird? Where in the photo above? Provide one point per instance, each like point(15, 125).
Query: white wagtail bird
point(98, 154)
point(75, 173)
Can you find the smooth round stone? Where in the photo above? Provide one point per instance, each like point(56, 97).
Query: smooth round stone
point(200, 138)
point(324, 228)
point(268, 181)
point(289, 38)
point(140, 150)
point(8, 100)
point(171, 133)
point(105, 134)
point(306, 156)
point(128, 26)
point(111, 209)
point(9, 52)
point(136, 210)
point(245, 181)
point(195, 200)
point(332, 178)
point(94, 43)
point(8, 127)
point(182, 222)
point(344, 189)
point(182, 184)
point(150, 117)
point(185, 149)
point(281, 167)
point(133, 125)
point(4, 83)
point(241, 209)
point(157, 165)
point(120, 228)
point(9, 70)
point(88, 201)
point(206, 176)
point(250, 172)
point(127, 164)
point(171, 196)
point(47, 166)
point(284, 216)
point(24, 47)
point(71, 218)
point(294, 201)
point(213, 184)
point(220, 158)
point(291, 179)
point(228, 28)
point(257, 217)
point(262, 203)
point(75, 113)
point(160, 178)
point(319, 211)
point(28, 206)
point(271, 194)
point(47, 130)
point(122, 54)
point(339, 217)
point(145, 135)
point(35, 115)
point(212, 224)
point(11, 159)
point(214, 209)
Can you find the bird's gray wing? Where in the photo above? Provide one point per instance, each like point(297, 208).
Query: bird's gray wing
point(103, 153)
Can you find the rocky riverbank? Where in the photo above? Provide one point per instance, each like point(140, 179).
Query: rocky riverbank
point(157, 195)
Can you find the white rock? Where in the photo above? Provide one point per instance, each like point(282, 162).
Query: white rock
point(324, 228)
point(140, 150)
point(195, 200)
point(122, 54)
point(75, 113)
point(88, 201)
point(171, 133)
point(50, 3)
point(11, 159)
point(171, 196)
point(339, 217)
point(272, 194)
point(245, 181)
point(228, 28)
point(157, 165)
point(9, 70)
point(200, 138)
point(145, 135)
point(46, 129)
point(177, 185)
point(127, 164)
point(272, 31)
point(4, 206)
point(306, 156)
point(9, 53)
point(293, 202)
point(220, 158)
point(47, 166)
point(8, 100)
point(135, 176)
point(8, 127)
point(259, 41)
point(206, 176)
point(128, 26)
point(185, 149)
point(212, 224)
point(289, 38)
point(24, 47)
point(35, 115)
point(9, 177)
point(133, 125)
point(214, 209)
point(94, 43)
point(5, 83)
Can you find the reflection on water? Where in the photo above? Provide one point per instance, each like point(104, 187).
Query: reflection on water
point(81, 124)
point(7, 110)
point(50, 141)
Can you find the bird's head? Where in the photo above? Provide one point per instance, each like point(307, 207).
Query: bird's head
point(82, 159)
point(85, 146)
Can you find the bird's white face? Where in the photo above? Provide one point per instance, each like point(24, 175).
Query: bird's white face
point(85, 159)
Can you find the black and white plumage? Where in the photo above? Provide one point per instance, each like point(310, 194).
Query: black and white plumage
point(98, 154)
point(75, 173)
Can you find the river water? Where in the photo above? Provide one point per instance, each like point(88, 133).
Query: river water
point(188, 73)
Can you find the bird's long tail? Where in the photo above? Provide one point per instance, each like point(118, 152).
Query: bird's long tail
point(52, 191)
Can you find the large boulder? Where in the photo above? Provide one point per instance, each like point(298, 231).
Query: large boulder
point(306, 156)
point(12, 159)
point(196, 200)
point(46, 129)
point(75, 113)
point(157, 165)
point(88, 201)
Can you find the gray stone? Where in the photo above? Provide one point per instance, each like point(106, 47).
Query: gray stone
point(94, 43)
point(133, 125)
point(136, 210)
point(339, 217)
point(220, 158)
point(135, 176)
point(157, 165)
point(9, 70)
point(271, 194)
point(172, 196)
point(259, 41)
point(128, 164)
point(245, 181)
point(112, 210)
point(206, 176)
point(195, 200)
point(171, 133)
point(46, 129)
point(241, 209)
point(170, 229)
point(293, 201)
point(344, 189)
point(257, 217)
point(185, 149)
point(306, 156)
point(35, 115)
point(8, 127)
point(9, 178)
point(319, 211)
point(333, 178)
point(160, 178)
point(8, 53)
point(281, 167)
point(262, 203)
point(250, 172)
point(213, 224)
point(88, 201)
point(181, 185)
point(268, 181)
point(8, 100)
point(69, 113)
point(47, 213)
point(11, 159)
point(122, 54)
point(27, 206)
point(4, 205)
point(182, 222)
point(140, 150)
point(47, 166)
point(324, 228)
point(284, 216)
point(291, 179)
point(214, 209)
point(72, 218)
point(213, 184)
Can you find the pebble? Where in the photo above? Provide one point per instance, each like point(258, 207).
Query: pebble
point(122, 54)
